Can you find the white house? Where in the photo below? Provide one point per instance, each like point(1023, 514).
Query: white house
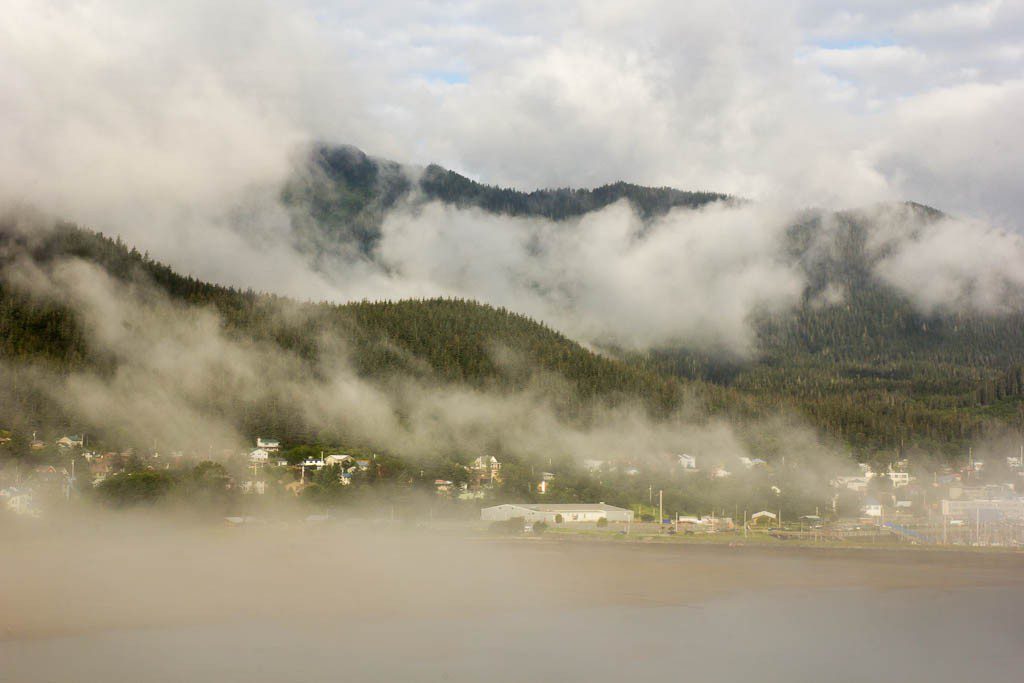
point(593, 465)
point(687, 462)
point(342, 460)
point(852, 483)
point(268, 444)
point(312, 463)
point(260, 455)
point(569, 513)
point(486, 466)
point(19, 502)
point(899, 479)
point(872, 508)
point(73, 441)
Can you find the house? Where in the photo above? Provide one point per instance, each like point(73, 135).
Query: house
point(254, 487)
point(593, 465)
point(260, 455)
point(687, 462)
point(542, 486)
point(899, 478)
point(73, 441)
point(18, 501)
point(852, 483)
point(272, 445)
point(345, 462)
point(763, 517)
point(872, 508)
point(569, 513)
point(486, 467)
point(720, 473)
point(363, 465)
point(312, 463)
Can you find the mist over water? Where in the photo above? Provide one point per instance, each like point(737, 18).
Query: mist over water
point(148, 600)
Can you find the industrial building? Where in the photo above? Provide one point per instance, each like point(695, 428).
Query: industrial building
point(568, 513)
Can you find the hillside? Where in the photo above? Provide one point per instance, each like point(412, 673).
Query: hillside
point(435, 341)
point(340, 195)
point(871, 369)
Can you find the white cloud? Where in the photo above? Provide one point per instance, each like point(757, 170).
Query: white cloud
point(172, 125)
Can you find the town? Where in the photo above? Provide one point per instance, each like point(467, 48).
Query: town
point(680, 496)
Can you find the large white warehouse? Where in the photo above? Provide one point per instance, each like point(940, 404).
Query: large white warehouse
point(545, 512)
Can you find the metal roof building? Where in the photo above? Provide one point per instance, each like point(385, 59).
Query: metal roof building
point(548, 512)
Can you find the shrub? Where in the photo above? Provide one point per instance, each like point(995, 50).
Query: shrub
point(540, 527)
point(603, 522)
point(559, 518)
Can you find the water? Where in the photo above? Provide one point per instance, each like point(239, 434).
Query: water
point(837, 635)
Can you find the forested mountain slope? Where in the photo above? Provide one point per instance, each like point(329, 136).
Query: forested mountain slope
point(340, 195)
point(444, 341)
point(872, 368)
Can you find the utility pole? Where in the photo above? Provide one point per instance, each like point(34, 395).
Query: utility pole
point(661, 509)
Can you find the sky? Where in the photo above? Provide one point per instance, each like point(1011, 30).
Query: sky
point(174, 125)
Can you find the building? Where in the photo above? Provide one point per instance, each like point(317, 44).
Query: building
point(18, 501)
point(899, 479)
point(687, 462)
point(271, 445)
point(852, 483)
point(763, 517)
point(872, 508)
point(346, 462)
point(73, 441)
point(260, 455)
point(486, 469)
point(569, 513)
point(970, 510)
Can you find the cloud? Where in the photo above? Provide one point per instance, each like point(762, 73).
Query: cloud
point(174, 127)
point(929, 264)
point(693, 276)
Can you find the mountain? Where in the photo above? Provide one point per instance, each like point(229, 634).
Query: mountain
point(339, 195)
point(872, 368)
point(434, 342)
point(868, 366)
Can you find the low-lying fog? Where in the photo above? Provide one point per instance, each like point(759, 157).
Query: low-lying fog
point(129, 599)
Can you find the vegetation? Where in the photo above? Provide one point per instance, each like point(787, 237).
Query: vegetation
point(871, 371)
point(454, 341)
point(341, 195)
